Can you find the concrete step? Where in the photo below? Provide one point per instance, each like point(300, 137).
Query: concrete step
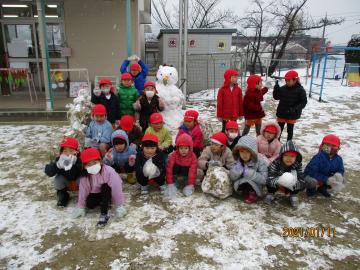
point(32, 116)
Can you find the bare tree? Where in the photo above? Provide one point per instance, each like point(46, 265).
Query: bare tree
point(202, 14)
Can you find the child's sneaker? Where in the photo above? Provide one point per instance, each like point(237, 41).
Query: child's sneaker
point(323, 190)
point(251, 198)
point(163, 189)
point(269, 199)
point(294, 201)
point(103, 220)
point(144, 190)
point(311, 192)
point(63, 198)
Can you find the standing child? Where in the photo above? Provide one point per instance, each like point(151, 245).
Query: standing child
point(250, 171)
point(98, 133)
point(268, 143)
point(216, 154)
point(229, 99)
point(138, 71)
point(157, 128)
point(98, 187)
point(67, 167)
point(148, 103)
point(181, 167)
point(253, 103)
point(150, 164)
point(233, 134)
point(127, 94)
point(105, 95)
point(292, 100)
point(192, 127)
point(127, 124)
point(285, 173)
point(325, 167)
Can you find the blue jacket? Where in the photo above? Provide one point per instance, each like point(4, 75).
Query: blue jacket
point(321, 167)
point(101, 132)
point(140, 79)
point(120, 159)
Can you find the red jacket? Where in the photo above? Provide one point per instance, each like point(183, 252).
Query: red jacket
point(195, 133)
point(229, 102)
point(188, 161)
point(252, 103)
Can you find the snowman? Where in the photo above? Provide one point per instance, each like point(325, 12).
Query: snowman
point(166, 79)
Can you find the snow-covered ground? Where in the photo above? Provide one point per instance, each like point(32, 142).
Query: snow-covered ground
point(199, 232)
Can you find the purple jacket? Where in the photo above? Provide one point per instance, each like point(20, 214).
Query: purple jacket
point(92, 184)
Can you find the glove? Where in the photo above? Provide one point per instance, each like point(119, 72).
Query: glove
point(61, 162)
point(277, 86)
point(268, 84)
point(170, 191)
point(132, 159)
point(120, 211)
point(249, 173)
point(239, 168)
point(78, 212)
point(97, 92)
point(188, 190)
point(109, 156)
point(287, 180)
point(133, 145)
point(214, 163)
point(137, 105)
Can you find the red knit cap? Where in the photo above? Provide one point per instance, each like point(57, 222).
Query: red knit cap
point(150, 137)
point(332, 139)
point(219, 138)
point(231, 125)
point(291, 74)
point(291, 153)
point(271, 129)
point(252, 81)
point(156, 118)
point(127, 122)
point(70, 142)
point(191, 115)
point(105, 81)
point(149, 84)
point(135, 67)
point(126, 76)
point(89, 154)
point(99, 109)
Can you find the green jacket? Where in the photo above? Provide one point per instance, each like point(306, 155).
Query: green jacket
point(164, 136)
point(127, 97)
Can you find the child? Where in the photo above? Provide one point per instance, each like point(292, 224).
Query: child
point(150, 164)
point(157, 128)
point(99, 185)
point(98, 133)
point(250, 171)
point(216, 154)
point(106, 96)
point(127, 123)
point(192, 127)
point(292, 100)
point(268, 143)
point(285, 173)
point(253, 100)
point(121, 156)
point(326, 164)
point(138, 71)
point(67, 167)
point(233, 134)
point(127, 94)
point(148, 103)
point(229, 99)
point(181, 167)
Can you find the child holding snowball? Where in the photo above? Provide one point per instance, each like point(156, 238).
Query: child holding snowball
point(285, 173)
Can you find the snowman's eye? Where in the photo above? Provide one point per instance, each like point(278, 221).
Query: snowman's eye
point(170, 74)
point(160, 74)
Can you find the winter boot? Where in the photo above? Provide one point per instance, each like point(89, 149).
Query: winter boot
point(144, 190)
point(269, 199)
point(294, 201)
point(323, 190)
point(311, 192)
point(103, 220)
point(251, 198)
point(63, 197)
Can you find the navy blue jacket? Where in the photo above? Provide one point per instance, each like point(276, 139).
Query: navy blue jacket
point(321, 167)
point(140, 79)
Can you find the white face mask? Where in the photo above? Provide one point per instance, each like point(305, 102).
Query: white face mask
point(233, 135)
point(94, 169)
point(149, 94)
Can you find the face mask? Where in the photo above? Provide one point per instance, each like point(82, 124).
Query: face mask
point(106, 91)
point(94, 169)
point(149, 94)
point(233, 135)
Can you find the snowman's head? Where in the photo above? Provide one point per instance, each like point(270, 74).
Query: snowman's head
point(167, 75)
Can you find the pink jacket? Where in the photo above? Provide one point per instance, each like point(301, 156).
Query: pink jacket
point(270, 151)
point(196, 135)
point(92, 184)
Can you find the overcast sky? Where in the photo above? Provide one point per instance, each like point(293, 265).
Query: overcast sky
point(340, 34)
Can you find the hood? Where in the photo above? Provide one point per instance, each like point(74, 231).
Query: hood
point(290, 146)
point(249, 143)
point(120, 133)
point(184, 140)
point(271, 123)
point(252, 81)
point(227, 75)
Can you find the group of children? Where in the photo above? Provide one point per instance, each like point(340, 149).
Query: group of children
point(147, 155)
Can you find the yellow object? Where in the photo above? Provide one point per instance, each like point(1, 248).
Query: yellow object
point(131, 179)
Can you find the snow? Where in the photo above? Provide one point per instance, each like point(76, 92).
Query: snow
point(197, 232)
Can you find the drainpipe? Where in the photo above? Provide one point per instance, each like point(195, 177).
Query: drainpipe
point(40, 4)
point(128, 27)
